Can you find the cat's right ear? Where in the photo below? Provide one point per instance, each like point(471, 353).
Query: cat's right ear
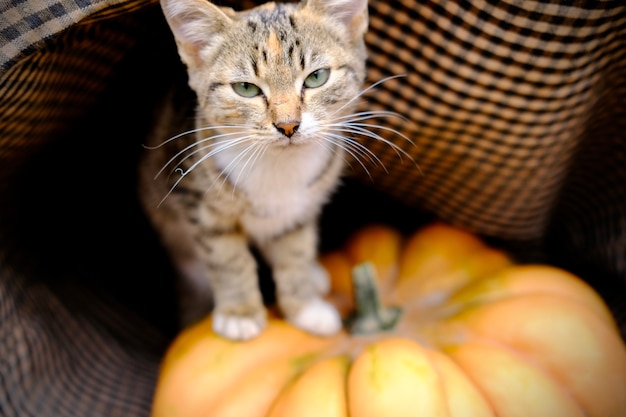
point(352, 14)
point(196, 25)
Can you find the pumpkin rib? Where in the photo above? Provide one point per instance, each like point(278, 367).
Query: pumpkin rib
point(463, 398)
point(394, 377)
point(428, 292)
point(326, 381)
point(525, 280)
point(454, 257)
point(556, 344)
point(431, 251)
point(512, 386)
point(253, 395)
point(523, 357)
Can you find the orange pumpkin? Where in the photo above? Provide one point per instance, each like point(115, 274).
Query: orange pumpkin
point(469, 333)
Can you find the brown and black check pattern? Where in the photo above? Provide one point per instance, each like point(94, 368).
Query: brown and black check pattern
point(516, 111)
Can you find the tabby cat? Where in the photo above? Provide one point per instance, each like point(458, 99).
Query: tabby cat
point(275, 87)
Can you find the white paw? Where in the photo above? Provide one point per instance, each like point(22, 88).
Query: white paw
point(238, 327)
point(318, 317)
point(320, 278)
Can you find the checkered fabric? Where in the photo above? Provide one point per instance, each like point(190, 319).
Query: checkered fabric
point(515, 113)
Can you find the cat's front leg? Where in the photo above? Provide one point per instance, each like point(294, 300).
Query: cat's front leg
point(301, 281)
point(239, 313)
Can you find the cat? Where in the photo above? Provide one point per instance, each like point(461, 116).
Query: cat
point(274, 85)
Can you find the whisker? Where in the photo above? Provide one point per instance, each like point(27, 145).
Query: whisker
point(192, 131)
point(364, 91)
point(351, 124)
point(224, 172)
point(251, 159)
point(171, 189)
point(360, 129)
point(220, 147)
point(330, 144)
point(350, 119)
point(354, 149)
point(355, 152)
point(258, 155)
point(358, 148)
point(192, 145)
point(367, 115)
point(327, 142)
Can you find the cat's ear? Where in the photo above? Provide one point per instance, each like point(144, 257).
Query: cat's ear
point(353, 14)
point(196, 25)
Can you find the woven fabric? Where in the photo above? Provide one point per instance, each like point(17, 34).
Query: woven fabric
point(25, 26)
point(71, 343)
point(515, 113)
point(508, 106)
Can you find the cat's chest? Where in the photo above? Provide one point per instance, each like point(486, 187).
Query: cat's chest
point(282, 186)
point(282, 180)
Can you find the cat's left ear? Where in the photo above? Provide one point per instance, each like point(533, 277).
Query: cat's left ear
point(353, 14)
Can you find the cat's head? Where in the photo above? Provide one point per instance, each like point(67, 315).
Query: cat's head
point(281, 69)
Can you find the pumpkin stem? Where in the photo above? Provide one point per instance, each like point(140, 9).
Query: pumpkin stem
point(370, 316)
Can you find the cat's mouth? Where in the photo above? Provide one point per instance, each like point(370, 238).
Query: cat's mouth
point(294, 140)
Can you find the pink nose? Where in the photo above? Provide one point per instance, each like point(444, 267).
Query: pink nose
point(288, 129)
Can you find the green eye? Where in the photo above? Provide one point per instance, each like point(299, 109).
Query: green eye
point(247, 90)
point(317, 78)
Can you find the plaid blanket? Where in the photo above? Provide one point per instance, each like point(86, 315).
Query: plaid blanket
point(516, 110)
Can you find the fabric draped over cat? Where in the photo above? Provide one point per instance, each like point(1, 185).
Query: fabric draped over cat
point(516, 110)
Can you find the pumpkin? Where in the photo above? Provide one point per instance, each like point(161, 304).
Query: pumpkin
point(437, 324)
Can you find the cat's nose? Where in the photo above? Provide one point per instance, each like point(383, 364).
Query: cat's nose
point(288, 128)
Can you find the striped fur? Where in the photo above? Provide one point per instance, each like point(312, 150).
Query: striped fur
point(264, 157)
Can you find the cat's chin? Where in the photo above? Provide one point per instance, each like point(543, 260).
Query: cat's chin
point(298, 147)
